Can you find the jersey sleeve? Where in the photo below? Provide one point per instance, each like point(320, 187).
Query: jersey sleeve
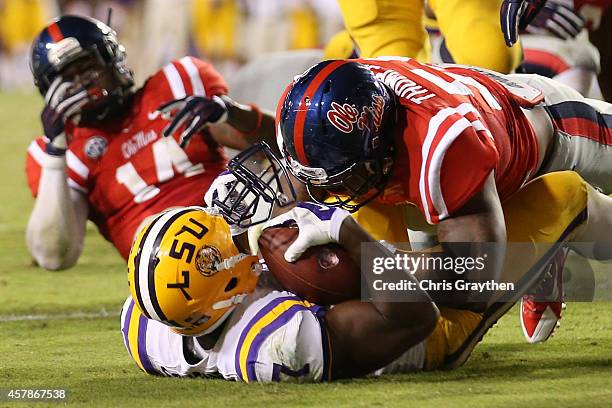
point(458, 156)
point(292, 346)
point(78, 172)
point(192, 76)
point(33, 166)
point(155, 348)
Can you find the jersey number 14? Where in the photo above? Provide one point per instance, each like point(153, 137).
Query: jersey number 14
point(167, 155)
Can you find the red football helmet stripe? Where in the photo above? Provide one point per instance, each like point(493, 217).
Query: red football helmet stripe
point(298, 130)
point(55, 32)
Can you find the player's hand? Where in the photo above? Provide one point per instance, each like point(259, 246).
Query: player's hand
point(62, 102)
point(194, 112)
point(557, 18)
point(318, 225)
point(516, 15)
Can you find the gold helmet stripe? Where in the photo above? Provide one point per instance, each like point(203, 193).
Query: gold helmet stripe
point(145, 265)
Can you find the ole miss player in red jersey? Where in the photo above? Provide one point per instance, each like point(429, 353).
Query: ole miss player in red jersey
point(453, 141)
point(103, 155)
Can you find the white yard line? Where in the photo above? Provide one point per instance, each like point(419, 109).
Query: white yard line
point(61, 316)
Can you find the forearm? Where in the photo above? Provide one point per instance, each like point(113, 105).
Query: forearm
point(418, 311)
point(254, 124)
point(367, 335)
point(56, 227)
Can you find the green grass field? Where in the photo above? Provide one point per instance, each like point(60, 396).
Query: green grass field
point(61, 330)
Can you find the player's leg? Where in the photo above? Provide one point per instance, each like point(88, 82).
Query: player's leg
point(573, 62)
point(472, 34)
point(583, 132)
point(383, 222)
point(540, 217)
point(387, 27)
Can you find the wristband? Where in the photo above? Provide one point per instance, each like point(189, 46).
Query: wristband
point(257, 124)
point(336, 221)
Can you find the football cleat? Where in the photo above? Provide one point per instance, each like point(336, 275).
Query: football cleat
point(540, 311)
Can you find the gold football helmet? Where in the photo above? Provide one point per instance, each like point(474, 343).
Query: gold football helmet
point(185, 271)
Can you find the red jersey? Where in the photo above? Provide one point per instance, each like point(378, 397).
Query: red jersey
point(129, 171)
point(456, 125)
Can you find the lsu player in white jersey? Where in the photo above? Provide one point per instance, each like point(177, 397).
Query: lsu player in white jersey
point(202, 307)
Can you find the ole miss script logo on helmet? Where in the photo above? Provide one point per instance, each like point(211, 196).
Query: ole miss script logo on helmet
point(344, 117)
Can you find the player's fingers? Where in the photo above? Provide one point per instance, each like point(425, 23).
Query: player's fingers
point(530, 10)
point(75, 108)
point(254, 233)
point(509, 20)
point(188, 133)
point(72, 105)
point(573, 19)
point(175, 104)
point(59, 94)
point(297, 248)
point(178, 121)
point(569, 28)
point(558, 30)
point(52, 88)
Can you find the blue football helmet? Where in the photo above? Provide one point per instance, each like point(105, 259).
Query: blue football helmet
point(334, 132)
point(70, 38)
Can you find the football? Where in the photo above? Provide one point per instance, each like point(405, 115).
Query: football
point(324, 274)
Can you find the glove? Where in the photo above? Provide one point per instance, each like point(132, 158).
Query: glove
point(60, 105)
point(557, 18)
point(318, 225)
point(517, 14)
point(196, 111)
point(219, 190)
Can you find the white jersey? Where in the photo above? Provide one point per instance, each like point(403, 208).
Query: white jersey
point(271, 337)
point(274, 337)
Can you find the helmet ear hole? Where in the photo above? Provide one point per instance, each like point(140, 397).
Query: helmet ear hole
point(232, 284)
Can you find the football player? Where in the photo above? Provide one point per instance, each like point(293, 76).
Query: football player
point(103, 156)
point(452, 141)
point(210, 319)
point(225, 315)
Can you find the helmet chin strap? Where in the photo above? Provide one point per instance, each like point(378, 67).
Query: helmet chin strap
point(231, 262)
